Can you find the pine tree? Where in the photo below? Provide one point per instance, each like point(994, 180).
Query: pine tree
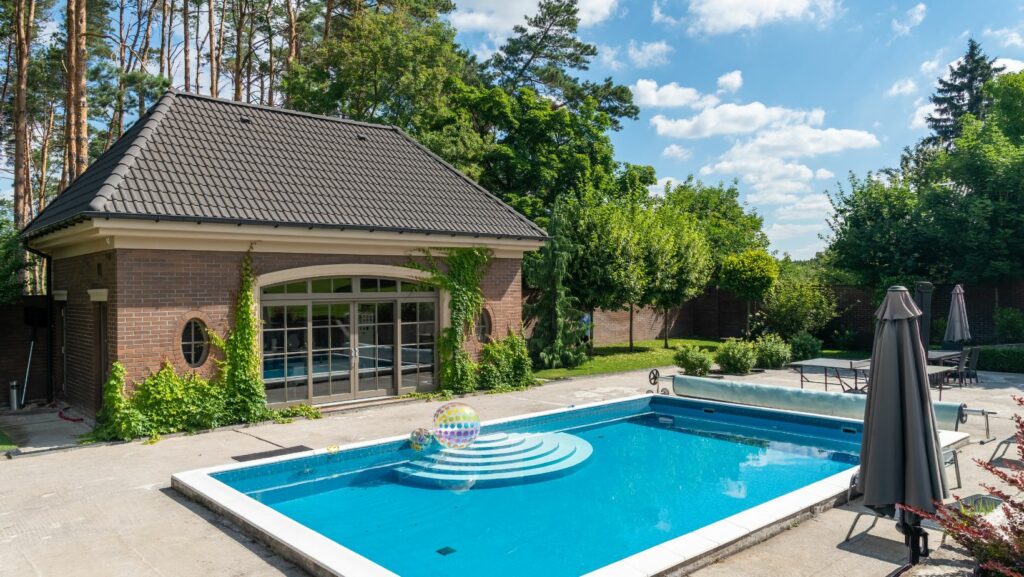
point(962, 93)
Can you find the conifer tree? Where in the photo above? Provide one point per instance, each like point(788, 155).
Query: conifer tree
point(962, 93)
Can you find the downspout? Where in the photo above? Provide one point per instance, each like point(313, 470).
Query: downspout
point(50, 322)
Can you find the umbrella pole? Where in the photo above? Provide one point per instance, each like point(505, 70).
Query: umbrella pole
point(917, 543)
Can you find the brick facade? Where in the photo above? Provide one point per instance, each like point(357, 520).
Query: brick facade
point(152, 293)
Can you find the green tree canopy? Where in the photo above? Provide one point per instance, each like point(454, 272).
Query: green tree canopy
point(749, 274)
point(962, 93)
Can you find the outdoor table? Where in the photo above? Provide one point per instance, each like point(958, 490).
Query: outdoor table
point(938, 372)
point(937, 357)
point(859, 368)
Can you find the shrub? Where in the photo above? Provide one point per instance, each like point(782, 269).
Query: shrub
point(750, 275)
point(118, 419)
point(772, 351)
point(171, 403)
point(288, 413)
point(694, 360)
point(1002, 359)
point(736, 357)
point(999, 550)
point(1009, 325)
point(795, 306)
point(240, 371)
point(804, 346)
point(505, 365)
point(845, 339)
point(938, 330)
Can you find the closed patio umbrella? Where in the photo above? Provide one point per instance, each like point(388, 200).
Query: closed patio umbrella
point(900, 456)
point(957, 330)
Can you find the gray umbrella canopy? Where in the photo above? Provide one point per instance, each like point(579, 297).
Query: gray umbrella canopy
point(900, 456)
point(957, 330)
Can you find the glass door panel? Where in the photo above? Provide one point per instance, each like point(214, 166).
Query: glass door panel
point(418, 351)
point(285, 353)
point(332, 350)
point(375, 330)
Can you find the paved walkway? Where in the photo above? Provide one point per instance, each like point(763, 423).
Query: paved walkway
point(108, 510)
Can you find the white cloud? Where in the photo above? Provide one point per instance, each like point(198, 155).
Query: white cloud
point(609, 57)
point(824, 174)
point(658, 189)
point(785, 231)
point(648, 93)
point(726, 16)
point(498, 18)
point(911, 19)
point(648, 54)
point(799, 140)
point(1012, 65)
point(902, 87)
point(809, 207)
point(733, 119)
point(730, 81)
point(659, 17)
point(1008, 37)
point(676, 152)
point(929, 67)
point(922, 111)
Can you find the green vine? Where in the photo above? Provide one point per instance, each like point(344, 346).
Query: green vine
point(241, 370)
point(464, 269)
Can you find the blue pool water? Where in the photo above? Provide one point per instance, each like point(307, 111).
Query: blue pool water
point(660, 468)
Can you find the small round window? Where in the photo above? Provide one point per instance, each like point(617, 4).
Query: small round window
point(483, 327)
point(194, 342)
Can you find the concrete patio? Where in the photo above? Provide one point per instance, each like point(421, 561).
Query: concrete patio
point(108, 509)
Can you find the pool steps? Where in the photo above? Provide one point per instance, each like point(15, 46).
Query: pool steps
point(498, 459)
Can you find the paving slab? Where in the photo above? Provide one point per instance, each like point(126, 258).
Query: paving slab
point(108, 509)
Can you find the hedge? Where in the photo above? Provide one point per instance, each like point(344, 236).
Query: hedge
point(1001, 359)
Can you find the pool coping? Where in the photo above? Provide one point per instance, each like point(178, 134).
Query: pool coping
point(322, 556)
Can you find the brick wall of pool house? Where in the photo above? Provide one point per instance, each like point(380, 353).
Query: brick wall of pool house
point(153, 293)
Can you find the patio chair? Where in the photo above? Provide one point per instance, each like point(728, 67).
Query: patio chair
point(961, 367)
point(971, 370)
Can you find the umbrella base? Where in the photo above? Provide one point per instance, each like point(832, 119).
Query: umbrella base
point(916, 539)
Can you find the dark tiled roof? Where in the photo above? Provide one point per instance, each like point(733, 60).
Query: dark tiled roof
point(195, 158)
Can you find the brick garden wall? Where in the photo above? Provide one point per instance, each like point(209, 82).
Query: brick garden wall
point(158, 291)
point(17, 337)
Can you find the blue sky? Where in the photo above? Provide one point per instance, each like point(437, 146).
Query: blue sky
point(787, 96)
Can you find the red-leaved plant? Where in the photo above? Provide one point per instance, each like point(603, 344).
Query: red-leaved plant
point(999, 550)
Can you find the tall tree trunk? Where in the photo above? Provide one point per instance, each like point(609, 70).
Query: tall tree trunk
point(81, 99)
point(170, 42)
point(293, 34)
point(239, 20)
point(24, 12)
point(44, 158)
point(664, 328)
point(144, 55)
point(630, 328)
point(70, 95)
point(185, 23)
point(270, 55)
point(163, 39)
point(212, 31)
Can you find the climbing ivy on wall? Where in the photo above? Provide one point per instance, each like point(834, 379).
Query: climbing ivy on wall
point(240, 369)
point(462, 272)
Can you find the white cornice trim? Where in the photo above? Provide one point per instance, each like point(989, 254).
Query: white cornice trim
point(98, 235)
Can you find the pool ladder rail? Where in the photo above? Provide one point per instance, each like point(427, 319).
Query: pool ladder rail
point(498, 459)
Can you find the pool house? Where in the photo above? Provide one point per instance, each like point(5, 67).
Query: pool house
point(144, 251)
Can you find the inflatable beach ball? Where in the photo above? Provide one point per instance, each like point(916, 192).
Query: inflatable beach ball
point(420, 439)
point(456, 426)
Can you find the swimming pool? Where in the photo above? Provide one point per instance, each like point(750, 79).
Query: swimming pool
point(654, 479)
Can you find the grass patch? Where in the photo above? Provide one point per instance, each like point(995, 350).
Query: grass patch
point(6, 444)
point(650, 354)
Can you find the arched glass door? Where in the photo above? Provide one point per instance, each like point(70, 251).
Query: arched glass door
point(339, 339)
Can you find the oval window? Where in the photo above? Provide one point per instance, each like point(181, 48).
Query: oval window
point(194, 343)
point(483, 327)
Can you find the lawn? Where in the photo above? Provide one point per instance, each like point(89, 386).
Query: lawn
point(650, 354)
point(6, 444)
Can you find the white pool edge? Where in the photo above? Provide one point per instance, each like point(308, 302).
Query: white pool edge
point(324, 557)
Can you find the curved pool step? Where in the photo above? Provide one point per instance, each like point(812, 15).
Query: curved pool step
point(498, 459)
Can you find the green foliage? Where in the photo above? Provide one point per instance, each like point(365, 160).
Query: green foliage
point(845, 338)
point(1001, 359)
point(805, 346)
point(118, 419)
point(727, 225)
point(240, 370)
point(938, 330)
point(557, 339)
point(750, 274)
point(794, 306)
point(505, 365)
point(171, 403)
point(1009, 324)
point(463, 270)
point(678, 259)
point(962, 93)
point(12, 255)
point(736, 357)
point(694, 360)
point(772, 351)
point(302, 410)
